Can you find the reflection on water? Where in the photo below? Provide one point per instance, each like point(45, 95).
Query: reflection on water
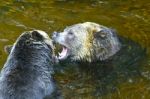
point(124, 76)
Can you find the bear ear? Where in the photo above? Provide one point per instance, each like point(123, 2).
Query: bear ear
point(8, 48)
point(36, 35)
point(104, 33)
point(101, 34)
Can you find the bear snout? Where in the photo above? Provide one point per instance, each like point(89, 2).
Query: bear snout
point(55, 34)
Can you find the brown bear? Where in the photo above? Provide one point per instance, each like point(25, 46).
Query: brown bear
point(87, 42)
point(27, 73)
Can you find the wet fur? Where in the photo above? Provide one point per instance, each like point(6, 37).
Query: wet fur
point(91, 42)
point(27, 71)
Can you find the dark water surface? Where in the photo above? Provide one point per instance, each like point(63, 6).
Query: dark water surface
point(124, 76)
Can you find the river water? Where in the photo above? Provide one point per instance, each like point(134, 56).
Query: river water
point(125, 76)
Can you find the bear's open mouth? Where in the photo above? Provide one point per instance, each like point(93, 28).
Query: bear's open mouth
point(64, 53)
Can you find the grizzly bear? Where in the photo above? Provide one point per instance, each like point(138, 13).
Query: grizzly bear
point(87, 42)
point(27, 73)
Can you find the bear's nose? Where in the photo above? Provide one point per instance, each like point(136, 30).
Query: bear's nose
point(55, 34)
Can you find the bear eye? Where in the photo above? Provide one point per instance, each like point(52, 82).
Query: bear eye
point(28, 42)
point(70, 33)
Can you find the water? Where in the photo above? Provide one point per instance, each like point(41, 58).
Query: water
point(125, 76)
